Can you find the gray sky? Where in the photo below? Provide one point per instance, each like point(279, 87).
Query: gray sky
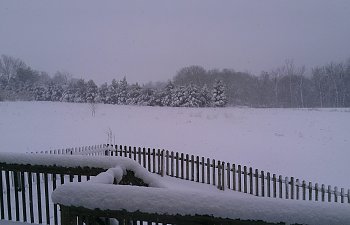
point(151, 40)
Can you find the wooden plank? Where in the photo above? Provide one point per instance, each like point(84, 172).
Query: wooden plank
point(162, 166)
point(274, 186)
point(2, 211)
point(256, 182)
point(234, 177)
point(46, 186)
point(197, 168)
point(214, 180)
point(286, 182)
point(280, 185)
point(297, 185)
point(54, 184)
point(228, 171)
point(335, 194)
point(149, 159)
point(130, 152)
point(310, 191)
point(120, 150)
point(316, 192)
point(304, 190)
point(135, 153)
point(24, 202)
point(342, 195)
point(144, 159)
point(323, 192)
point(292, 188)
point(245, 182)
point(223, 176)
point(187, 167)
point(262, 184)
point(182, 165)
point(177, 164)
point(159, 161)
point(139, 154)
point(154, 160)
point(208, 171)
point(38, 191)
point(31, 207)
point(251, 180)
point(192, 168)
point(172, 163)
point(219, 175)
point(203, 170)
point(239, 174)
point(8, 194)
point(125, 151)
point(329, 192)
point(268, 187)
point(167, 162)
point(15, 179)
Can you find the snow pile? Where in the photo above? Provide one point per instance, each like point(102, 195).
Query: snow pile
point(173, 196)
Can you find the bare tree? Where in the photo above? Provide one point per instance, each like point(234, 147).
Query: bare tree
point(9, 67)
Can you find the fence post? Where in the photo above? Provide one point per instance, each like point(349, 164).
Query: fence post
point(262, 184)
point(329, 193)
point(177, 164)
point(268, 184)
point(149, 159)
point(182, 166)
point(348, 195)
point(342, 195)
point(316, 192)
point(144, 157)
point(310, 191)
point(154, 160)
point(130, 152)
point(304, 190)
point(135, 153)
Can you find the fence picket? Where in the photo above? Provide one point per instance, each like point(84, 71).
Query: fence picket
point(223, 176)
point(251, 180)
point(46, 192)
point(192, 168)
point(304, 190)
point(208, 171)
point(154, 160)
point(172, 163)
point(335, 194)
point(297, 185)
point(197, 168)
point(239, 174)
point(256, 182)
point(323, 192)
point(292, 188)
point(219, 174)
point(31, 207)
point(24, 202)
point(182, 166)
point(245, 179)
point(187, 167)
point(15, 179)
point(228, 170)
point(234, 177)
point(38, 191)
point(214, 172)
point(203, 170)
point(8, 193)
point(274, 188)
point(167, 162)
point(2, 214)
point(286, 182)
point(329, 193)
point(268, 179)
point(316, 192)
point(342, 195)
point(262, 184)
point(310, 191)
point(149, 159)
point(280, 185)
point(144, 157)
point(177, 164)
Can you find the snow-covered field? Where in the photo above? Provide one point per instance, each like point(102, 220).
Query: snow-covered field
point(310, 144)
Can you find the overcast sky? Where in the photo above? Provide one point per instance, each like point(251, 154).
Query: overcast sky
point(151, 40)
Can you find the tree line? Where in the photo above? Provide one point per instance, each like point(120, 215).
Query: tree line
point(193, 86)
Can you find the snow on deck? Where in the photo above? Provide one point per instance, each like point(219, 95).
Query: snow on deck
point(174, 196)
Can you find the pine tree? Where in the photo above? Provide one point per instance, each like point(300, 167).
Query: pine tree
point(205, 97)
point(112, 94)
point(192, 96)
point(178, 97)
point(102, 94)
point(219, 97)
point(133, 94)
point(91, 91)
point(166, 95)
point(122, 92)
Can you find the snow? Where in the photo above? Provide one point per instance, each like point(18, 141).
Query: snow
point(176, 196)
point(310, 144)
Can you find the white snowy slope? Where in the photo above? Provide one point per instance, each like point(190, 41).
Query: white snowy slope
point(307, 144)
point(174, 196)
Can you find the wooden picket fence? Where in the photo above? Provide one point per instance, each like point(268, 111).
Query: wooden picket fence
point(223, 175)
point(215, 172)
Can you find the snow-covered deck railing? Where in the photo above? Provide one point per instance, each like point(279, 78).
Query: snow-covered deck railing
point(27, 181)
point(87, 202)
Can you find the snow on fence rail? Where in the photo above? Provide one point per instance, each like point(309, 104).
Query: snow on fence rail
point(223, 175)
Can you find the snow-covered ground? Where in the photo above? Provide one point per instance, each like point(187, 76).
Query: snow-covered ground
point(310, 144)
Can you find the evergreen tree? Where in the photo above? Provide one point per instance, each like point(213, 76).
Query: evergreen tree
point(122, 92)
point(219, 97)
point(102, 93)
point(133, 94)
point(166, 95)
point(91, 91)
point(192, 96)
point(112, 94)
point(205, 97)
